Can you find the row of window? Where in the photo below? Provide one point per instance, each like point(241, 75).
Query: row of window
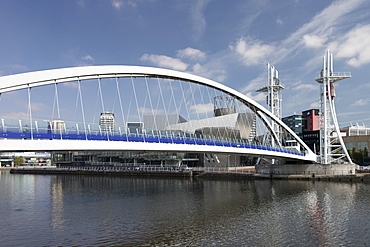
point(360, 145)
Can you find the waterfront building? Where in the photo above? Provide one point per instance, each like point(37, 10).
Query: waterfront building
point(296, 123)
point(307, 127)
point(312, 119)
point(356, 137)
point(29, 158)
point(356, 130)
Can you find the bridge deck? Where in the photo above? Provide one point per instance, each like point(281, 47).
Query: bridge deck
point(147, 139)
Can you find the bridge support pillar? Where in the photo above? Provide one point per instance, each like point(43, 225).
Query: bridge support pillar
point(306, 169)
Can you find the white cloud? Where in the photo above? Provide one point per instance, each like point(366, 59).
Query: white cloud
point(279, 21)
point(118, 4)
point(198, 17)
point(252, 51)
point(165, 61)
point(313, 41)
point(306, 87)
point(202, 108)
point(255, 84)
point(326, 24)
point(191, 53)
point(260, 97)
point(215, 74)
point(360, 102)
point(314, 105)
point(37, 106)
point(355, 46)
point(88, 58)
point(16, 115)
point(148, 111)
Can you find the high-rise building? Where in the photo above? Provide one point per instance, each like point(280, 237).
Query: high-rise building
point(107, 122)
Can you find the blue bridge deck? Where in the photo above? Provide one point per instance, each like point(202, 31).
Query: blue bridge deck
point(146, 138)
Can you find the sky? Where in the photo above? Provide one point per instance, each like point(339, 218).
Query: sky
point(227, 41)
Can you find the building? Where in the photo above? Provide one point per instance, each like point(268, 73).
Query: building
point(356, 137)
point(307, 127)
point(160, 122)
point(107, 122)
point(356, 130)
point(296, 123)
point(28, 159)
point(312, 119)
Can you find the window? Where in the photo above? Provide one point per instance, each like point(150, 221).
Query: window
point(363, 145)
point(350, 145)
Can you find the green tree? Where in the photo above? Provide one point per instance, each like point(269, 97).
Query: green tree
point(18, 160)
point(365, 152)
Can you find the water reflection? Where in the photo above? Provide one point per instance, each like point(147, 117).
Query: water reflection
point(103, 211)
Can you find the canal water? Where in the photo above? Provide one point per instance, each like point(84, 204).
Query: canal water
point(46, 210)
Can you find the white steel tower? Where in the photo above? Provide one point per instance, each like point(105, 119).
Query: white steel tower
point(274, 99)
point(332, 148)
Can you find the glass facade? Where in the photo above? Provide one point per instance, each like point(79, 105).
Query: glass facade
point(296, 123)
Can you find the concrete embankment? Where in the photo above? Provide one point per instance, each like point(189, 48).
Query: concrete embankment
point(47, 171)
point(360, 177)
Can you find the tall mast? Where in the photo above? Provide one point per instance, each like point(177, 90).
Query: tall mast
point(332, 148)
point(274, 100)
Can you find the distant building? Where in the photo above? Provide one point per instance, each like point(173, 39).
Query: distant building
point(357, 137)
point(295, 123)
point(107, 122)
point(57, 127)
point(307, 127)
point(135, 127)
point(356, 130)
point(160, 122)
point(312, 119)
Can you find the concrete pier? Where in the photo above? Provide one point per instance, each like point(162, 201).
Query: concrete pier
point(360, 177)
point(307, 169)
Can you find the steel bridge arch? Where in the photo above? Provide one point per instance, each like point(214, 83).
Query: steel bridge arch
point(40, 78)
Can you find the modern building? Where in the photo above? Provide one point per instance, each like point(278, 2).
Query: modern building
point(356, 130)
point(312, 119)
point(296, 122)
point(356, 137)
point(307, 127)
point(107, 122)
point(160, 122)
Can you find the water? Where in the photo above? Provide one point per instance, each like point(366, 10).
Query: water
point(42, 210)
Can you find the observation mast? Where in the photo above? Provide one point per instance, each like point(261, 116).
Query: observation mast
point(332, 148)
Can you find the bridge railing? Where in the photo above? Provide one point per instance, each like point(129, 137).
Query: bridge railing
point(144, 168)
point(16, 130)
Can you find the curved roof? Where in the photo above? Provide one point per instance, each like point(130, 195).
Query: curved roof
point(45, 77)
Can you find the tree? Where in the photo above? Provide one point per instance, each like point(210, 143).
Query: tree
point(365, 152)
point(18, 160)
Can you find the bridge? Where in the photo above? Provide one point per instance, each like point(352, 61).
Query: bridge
point(139, 109)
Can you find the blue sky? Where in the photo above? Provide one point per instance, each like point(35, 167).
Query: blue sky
point(227, 41)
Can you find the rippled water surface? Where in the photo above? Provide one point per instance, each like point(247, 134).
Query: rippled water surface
point(40, 210)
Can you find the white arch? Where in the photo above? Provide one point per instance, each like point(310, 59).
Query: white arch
point(45, 77)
